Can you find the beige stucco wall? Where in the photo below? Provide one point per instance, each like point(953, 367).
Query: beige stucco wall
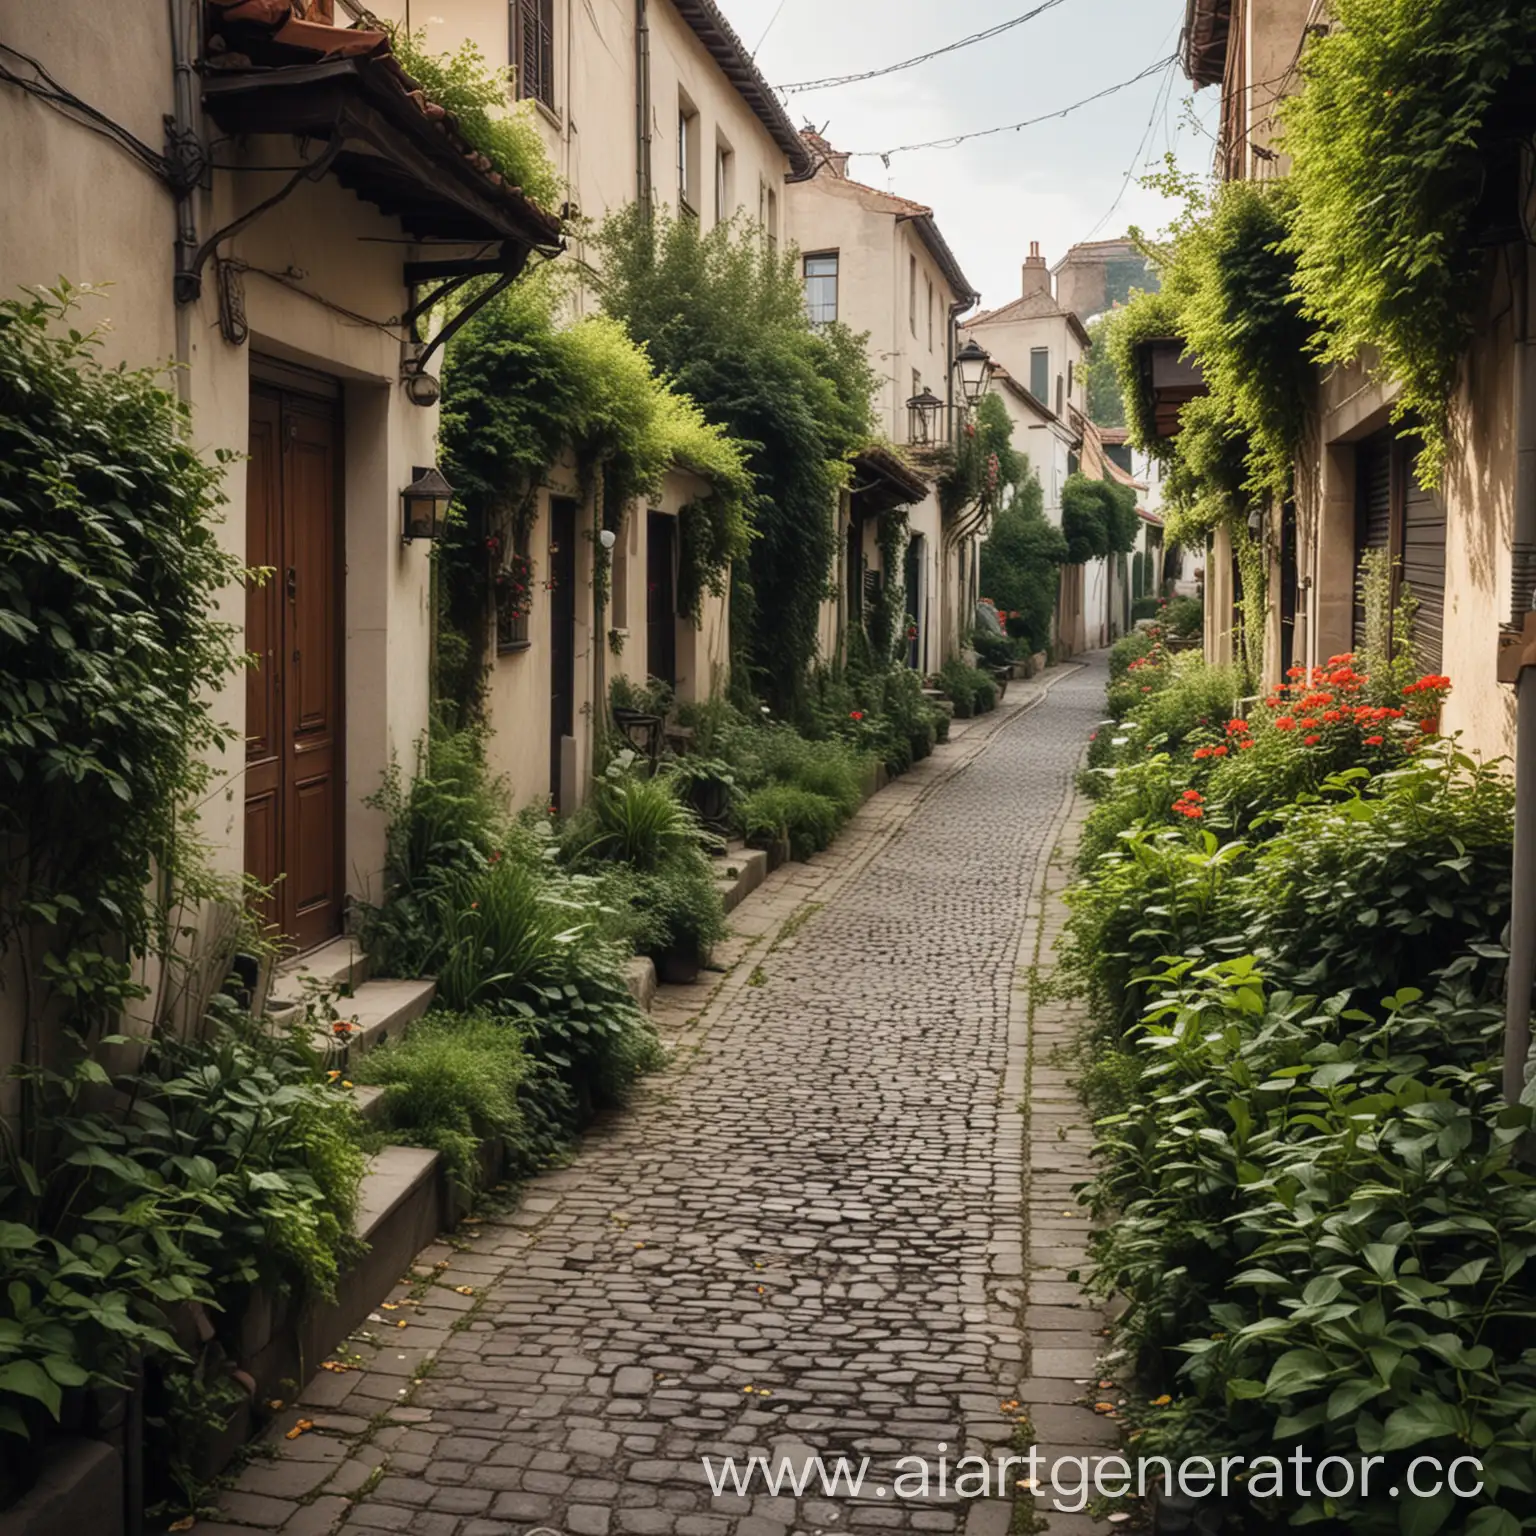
point(92, 214)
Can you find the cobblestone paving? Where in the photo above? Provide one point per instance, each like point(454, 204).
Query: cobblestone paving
point(822, 1205)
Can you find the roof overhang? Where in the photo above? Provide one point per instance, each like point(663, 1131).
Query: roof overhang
point(389, 153)
point(730, 53)
point(1203, 48)
point(1170, 380)
point(886, 481)
point(938, 247)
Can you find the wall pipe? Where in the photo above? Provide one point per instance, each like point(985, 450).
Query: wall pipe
point(643, 107)
point(1522, 918)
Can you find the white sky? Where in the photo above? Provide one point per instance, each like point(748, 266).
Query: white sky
point(1052, 183)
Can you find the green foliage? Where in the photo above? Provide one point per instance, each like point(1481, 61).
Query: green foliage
point(722, 315)
point(520, 389)
point(1308, 1195)
point(785, 814)
point(1020, 564)
point(111, 655)
point(632, 820)
point(481, 103)
point(983, 465)
point(230, 1163)
point(970, 690)
point(1106, 396)
point(1098, 518)
point(1390, 139)
point(452, 1084)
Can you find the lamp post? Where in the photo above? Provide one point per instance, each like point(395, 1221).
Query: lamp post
point(424, 505)
point(973, 370)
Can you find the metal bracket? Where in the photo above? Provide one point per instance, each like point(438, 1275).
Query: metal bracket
point(189, 280)
point(450, 277)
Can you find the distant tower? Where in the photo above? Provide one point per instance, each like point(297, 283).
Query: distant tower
point(1099, 274)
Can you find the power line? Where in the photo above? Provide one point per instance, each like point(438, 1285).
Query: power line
point(1159, 105)
point(830, 81)
point(1029, 122)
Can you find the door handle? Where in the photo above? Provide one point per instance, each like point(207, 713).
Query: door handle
point(291, 583)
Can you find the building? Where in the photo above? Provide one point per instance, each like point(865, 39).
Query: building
point(270, 248)
point(1355, 488)
point(1040, 347)
point(658, 102)
point(880, 264)
point(1096, 275)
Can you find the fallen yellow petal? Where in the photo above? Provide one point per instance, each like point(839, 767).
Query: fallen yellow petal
point(464, 1290)
point(184, 1524)
point(1161, 1402)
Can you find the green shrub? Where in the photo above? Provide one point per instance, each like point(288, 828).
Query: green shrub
point(633, 820)
point(1146, 608)
point(453, 1082)
point(785, 813)
point(674, 907)
point(1124, 651)
point(1184, 618)
point(970, 690)
point(1316, 1221)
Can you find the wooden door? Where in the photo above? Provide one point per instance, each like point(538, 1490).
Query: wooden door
point(661, 597)
point(562, 634)
point(294, 771)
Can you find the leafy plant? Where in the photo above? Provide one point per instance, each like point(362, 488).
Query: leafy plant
point(483, 110)
point(1098, 518)
point(970, 690)
point(722, 315)
point(785, 814)
point(453, 1083)
point(1390, 142)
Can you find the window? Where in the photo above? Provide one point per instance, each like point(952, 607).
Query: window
point(930, 314)
point(1071, 379)
point(725, 182)
point(821, 288)
point(772, 222)
point(912, 293)
point(687, 157)
point(1040, 373)
point(533, 49)
point(513, 584)
point(1061, 403)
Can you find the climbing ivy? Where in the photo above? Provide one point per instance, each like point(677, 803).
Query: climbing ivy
point(519, 390)
point(1389, 139)
point(1098, 518)
point(722, 315)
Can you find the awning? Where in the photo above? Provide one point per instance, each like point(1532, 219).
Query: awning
point(884, 481)
point(385, 147)
point(1170, 380)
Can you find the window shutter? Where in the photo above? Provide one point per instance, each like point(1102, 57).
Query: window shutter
point(535, 50)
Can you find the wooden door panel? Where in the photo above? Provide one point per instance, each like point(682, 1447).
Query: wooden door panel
point(294, 813)
point(263, 603)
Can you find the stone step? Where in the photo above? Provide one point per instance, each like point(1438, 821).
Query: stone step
point(751, 869)
point(640, 978)
point(378, 1011)
point(339, 967)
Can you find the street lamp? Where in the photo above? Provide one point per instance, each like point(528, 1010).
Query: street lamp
point(973, 366)
point(923, 415)
point(424, 504)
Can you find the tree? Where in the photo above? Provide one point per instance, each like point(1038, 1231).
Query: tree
point(1098, 518)
point(1106, 403)
point(1020, 563)
point(723, 318)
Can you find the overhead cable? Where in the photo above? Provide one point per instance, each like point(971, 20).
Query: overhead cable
point(985, 133)
point(831, 81)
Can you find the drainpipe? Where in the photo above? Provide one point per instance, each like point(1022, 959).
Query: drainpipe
point(1517, 664)
point(183, 154)
point(643, 107)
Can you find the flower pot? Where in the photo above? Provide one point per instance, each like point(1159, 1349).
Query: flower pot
point(711, 800)
point(679, 966)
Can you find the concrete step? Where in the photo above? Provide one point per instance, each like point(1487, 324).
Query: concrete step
point(369, 1102)
point(339, 967)
point(400, 1210)
point(751, 869)
point(640, 978)
point(377, 1011)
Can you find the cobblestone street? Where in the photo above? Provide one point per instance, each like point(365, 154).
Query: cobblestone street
point(806, 1237)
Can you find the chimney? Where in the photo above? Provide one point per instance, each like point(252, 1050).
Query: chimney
point(1037, 276)
point(834, 160)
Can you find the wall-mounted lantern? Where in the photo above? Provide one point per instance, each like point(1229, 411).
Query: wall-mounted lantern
point(973, 369)
point(424, 504)
point(923, 418)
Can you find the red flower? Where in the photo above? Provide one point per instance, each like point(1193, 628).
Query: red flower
point(1237, 727)
point(1285, 723)
point(1201, 753)
point(1246, 744)
point(1333, 716)
point(1429, 726)
point(1341, 661)
point(1375, 741)
point(1218, 751)
point(1313, 740)
point(856, 714)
